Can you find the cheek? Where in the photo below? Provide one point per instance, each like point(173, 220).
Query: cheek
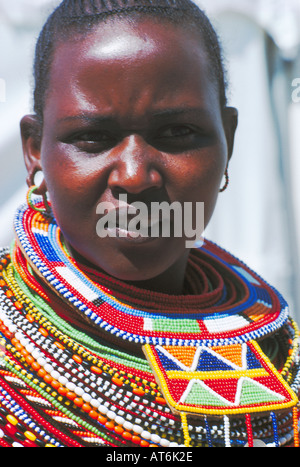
point(201, 181)
point(72, 183)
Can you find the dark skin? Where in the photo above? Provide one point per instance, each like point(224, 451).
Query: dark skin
point(130, 109)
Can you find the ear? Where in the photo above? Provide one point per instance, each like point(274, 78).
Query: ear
point(230, 121)
point(31, 132)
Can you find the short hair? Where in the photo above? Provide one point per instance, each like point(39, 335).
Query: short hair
point(73, 17)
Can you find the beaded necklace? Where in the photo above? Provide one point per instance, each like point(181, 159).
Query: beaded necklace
point(206, 380)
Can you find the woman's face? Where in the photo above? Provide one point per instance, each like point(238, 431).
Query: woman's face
point(131, 110)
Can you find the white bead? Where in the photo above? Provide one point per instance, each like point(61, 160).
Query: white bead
point(102, 409)
point(36, 354)
point(86, 397)
point(119, 420)
point(49, 368)
point(1, 433)
point(146, 435)
point(55, 374)
point(79, 391)
point(111, 414)
point(62, 380)
point(95, 403)
point(164, 443)
point(155, 438)
point(24, 341)
point(41, 361)
point(137, 429)
point(70, 386)
point(128, 425)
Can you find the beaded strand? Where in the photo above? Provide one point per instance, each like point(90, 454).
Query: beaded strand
point(105, 396)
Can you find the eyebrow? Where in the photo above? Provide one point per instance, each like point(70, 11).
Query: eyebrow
point(182, 110)
point(159, 114)
point(88, 118)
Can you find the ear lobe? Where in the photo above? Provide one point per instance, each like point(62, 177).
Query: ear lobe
point(230, 119)
point(31, 143)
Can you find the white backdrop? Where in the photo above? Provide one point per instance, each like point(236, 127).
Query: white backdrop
point(257, 218)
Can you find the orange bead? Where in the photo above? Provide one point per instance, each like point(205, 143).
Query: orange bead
point(93, 414)
point(44, 332)
point(77, 359)
point(117, 381)
point(55, 384)
point(62, 390)
point(126, 435)
point(14, 342)
point(160, 400)
point(144, 443)
point(86, 408)
point(42, 372)
point(118, 429)
point(96, 370)
point(30, 318)
point(2, 283)
point(48, 378)
point(18, 346)
point(102, 419)
point(138, 391)
point(9, 293)
point(59, 345)
point(78, 401)
point(136, 439)
point(35, 366)
point(71, 395)
point(29, 359)
point(18, 305)
point(110, 425)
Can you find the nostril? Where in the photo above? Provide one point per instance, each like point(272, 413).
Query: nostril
point(148, 196)
point(117, 191)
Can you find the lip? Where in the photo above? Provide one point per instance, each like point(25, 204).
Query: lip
point(134, 237)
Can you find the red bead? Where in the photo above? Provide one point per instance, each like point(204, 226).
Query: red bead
point(29, 444)
point(10, 429)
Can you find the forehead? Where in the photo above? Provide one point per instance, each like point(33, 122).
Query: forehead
point(146, 56)
point(124, 37)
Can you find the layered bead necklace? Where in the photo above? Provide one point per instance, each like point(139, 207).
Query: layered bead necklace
point(221, 367)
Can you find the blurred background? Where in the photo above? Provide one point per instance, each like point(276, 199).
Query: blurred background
point(258, 217)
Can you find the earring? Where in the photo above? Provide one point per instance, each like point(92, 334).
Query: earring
point(226, 181)
point(44, 210)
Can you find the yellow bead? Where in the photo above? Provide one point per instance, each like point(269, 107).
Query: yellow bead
point(11, 419)
point(49, 446)
point(30, 436)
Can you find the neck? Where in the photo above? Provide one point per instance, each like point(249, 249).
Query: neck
point(170, 282)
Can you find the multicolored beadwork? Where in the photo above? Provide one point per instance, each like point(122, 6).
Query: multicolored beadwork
point(257, 312)
point(60, 386)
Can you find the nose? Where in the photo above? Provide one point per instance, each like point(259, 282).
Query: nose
point(136, 167)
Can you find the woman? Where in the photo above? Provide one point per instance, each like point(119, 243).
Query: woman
point(113, 335)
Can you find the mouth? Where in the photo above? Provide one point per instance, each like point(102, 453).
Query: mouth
point(132, 226)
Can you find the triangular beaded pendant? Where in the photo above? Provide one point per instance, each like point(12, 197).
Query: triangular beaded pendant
point(220, 380)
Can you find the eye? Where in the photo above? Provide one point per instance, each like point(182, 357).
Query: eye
point(179, 138)
point(92, 141)
point(176, 131)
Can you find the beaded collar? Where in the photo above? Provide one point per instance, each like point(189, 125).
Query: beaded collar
point(203, 350)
